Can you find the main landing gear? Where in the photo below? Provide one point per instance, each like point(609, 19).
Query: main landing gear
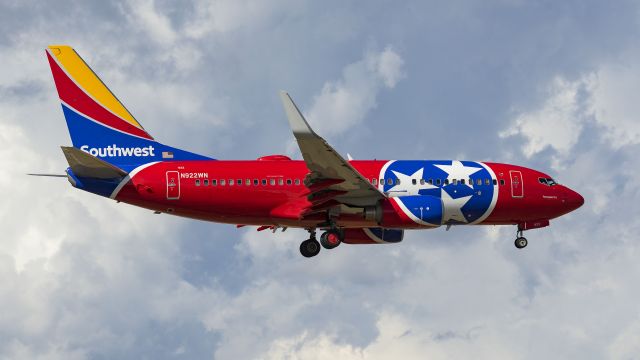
point(329, 239)
point(521, 242)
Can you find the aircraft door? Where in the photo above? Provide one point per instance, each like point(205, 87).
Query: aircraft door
point(173, 185)
point(517, 186)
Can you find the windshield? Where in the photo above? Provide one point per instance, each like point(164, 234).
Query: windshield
point(547, 181)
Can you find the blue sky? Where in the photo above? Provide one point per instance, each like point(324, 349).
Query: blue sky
point(545, 84)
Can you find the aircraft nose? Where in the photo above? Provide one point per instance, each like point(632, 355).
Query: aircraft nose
point(574, 200)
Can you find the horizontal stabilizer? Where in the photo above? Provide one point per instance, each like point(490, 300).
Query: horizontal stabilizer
point(86, 165)
point(49, 175)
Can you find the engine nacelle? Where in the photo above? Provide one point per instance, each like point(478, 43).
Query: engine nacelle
point(372, 236)
point(373, 213)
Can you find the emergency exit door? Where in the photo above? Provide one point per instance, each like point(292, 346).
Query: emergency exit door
point(173, 185)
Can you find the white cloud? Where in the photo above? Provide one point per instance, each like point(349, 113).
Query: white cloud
point(606, 96)
point(344, 103)
point(228, 15)
point(615, 104)
point(156, 24)
point(83, 277)
point(558, 122)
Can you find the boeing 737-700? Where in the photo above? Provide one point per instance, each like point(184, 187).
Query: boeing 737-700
point(349, 201)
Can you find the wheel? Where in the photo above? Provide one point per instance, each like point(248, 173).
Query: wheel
point(330, 239)
point(310, 248)
point(521, 242)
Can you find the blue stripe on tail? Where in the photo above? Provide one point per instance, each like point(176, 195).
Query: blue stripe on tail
point(115, 147)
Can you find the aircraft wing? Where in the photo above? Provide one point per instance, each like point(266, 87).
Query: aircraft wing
point(332, 178)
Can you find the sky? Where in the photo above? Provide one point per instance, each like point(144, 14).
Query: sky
point(551, 85)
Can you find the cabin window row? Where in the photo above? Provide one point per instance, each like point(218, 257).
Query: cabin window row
point(246, 182)
point(374, 181)
point(439, 181)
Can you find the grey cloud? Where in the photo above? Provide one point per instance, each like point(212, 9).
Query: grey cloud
point(83, 277)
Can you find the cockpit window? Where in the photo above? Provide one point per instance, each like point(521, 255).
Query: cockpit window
point(547, 181)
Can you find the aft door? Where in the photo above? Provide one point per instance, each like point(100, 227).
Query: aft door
point(173, 185)
point(517, 188)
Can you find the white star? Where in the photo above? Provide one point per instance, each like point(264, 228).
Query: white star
point(458, 171)
point(453, 207)
point(406, 186)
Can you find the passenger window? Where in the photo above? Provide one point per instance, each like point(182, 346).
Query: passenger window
point(487, 182)
point(297, 182)
point(501, 181)
point(264, 181)
point(256, 182)
point(206, 182)
point(495, 182)
point(454, 182)
point(247, 182)
point(288, 181)
point(222, 182)
point(389, 181)
point(272, 181)
point(230, 182)
point(214, 182)
point(462, 182)
point(414, 181)
point(239, 181)
point(197, 182)
point(438, 181)
point(430, 181)
point(446, 181)
point(374, 181)
point(280, 181)
point(479, 182)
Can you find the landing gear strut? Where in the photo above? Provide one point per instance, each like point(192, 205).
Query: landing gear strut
point(521, 242)
point(310, 247)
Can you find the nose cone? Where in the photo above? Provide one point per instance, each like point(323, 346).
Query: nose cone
point(574, 200)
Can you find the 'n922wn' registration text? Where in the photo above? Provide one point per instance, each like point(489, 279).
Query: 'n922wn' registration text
point(194, 175)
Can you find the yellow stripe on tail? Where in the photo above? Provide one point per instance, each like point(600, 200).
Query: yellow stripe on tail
point(82, 74)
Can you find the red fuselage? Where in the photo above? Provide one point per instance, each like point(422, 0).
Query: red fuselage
point(272, 192)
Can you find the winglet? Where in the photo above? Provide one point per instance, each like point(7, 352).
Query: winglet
point(297, 121)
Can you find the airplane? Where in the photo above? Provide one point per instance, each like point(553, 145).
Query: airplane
point(349, 201)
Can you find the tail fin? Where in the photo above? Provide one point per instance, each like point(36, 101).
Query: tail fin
point(98, 122)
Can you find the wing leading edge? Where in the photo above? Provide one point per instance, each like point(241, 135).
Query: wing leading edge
point(332, 178)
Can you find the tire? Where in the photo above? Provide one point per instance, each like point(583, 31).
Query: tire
point(309, 248)
point(521, 243)
point(330, 239)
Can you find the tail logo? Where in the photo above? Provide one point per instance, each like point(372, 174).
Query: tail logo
point(116, 151)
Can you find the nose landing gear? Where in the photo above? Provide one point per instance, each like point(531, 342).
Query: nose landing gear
point(521, 242)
